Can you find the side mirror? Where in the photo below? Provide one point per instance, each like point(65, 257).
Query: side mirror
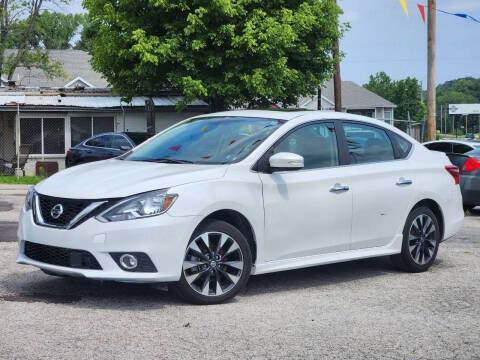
point(285, 161)
point(125, 148)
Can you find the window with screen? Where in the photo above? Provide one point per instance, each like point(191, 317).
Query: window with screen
point(43, 135)
point(31, 134)
point(317, 143)
point(83, 127)
point(367, 144)
point(53, 136)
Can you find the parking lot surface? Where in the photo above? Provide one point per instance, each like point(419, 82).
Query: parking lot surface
point(361, 309)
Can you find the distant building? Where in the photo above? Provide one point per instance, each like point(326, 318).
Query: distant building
point(56, 114)
point(355, 100)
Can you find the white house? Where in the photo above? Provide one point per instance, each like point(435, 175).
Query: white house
point(56, 114)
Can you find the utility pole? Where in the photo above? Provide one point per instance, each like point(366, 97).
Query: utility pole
point(431, 76)
point(337, 80)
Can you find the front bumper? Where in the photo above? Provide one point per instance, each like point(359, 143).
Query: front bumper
point(163, 238)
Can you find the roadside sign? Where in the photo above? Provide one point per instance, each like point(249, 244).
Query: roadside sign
point(463, 109)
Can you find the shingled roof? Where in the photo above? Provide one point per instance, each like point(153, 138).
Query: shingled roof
point(76, 64)
point(354, 96)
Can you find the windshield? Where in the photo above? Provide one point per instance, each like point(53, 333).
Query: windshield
point(216, 140)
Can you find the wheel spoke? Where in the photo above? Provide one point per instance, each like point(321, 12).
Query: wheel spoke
point(191, 278)
point(233, 247)
point(187, 264)
point(213, 264)
point(235, 264)
point(233, 278)
point(426, 226)
point(221, 243)
point(218, 289)
point(206, 283)
point(194, 248)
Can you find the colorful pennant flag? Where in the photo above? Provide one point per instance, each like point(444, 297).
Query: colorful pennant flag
point(421, 8)
point(404, 5)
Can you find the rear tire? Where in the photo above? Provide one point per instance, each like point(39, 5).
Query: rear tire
point(216, 266)
point(421, 239)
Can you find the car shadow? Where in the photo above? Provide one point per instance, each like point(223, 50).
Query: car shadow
point(37, 287)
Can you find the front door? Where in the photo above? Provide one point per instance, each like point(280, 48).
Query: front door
point(307, 211)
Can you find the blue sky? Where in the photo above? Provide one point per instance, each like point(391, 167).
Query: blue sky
point(382, 38)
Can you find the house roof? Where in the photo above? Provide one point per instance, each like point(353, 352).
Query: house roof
point(354, 96)
point(76, 64)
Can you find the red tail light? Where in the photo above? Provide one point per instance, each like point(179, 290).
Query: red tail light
point(68, 152)
point(453, 170)
point(471, 164)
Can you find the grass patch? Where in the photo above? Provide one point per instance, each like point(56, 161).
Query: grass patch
point(28, 180)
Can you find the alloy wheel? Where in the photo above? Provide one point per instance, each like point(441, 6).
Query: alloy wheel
point(213, 264)
point(422, 239)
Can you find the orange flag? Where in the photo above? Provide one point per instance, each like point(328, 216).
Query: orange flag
point(404, 5)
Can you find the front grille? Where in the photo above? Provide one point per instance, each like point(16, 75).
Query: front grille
point(71, 208)
point(53, 255)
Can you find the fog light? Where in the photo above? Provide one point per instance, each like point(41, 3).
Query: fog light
point(128, 261)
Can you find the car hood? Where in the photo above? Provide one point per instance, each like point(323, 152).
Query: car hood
point(118, 178)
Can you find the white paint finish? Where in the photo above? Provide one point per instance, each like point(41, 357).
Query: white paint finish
point(302, 216)
point(295, 219)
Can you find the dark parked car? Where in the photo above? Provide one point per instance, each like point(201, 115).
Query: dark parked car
point(466, 156)
point(103, 146)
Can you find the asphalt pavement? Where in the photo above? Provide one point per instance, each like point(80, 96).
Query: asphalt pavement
point(358, 310)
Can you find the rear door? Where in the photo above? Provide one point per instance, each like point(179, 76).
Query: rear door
point(381, 183)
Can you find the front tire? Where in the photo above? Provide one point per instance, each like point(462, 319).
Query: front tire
point(421, 238)
point(216, 265)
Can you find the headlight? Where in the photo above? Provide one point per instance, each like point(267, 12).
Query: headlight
point(29, 199)
point(144, 205)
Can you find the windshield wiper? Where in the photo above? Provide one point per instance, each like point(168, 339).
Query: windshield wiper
point(167, 161)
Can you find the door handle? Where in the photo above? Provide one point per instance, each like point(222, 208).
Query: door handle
point(339, 188)
point(403, 181)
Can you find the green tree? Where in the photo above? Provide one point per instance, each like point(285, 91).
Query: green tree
point(403, 93)
point(18, 21)
point(87, 35)
point(226, 52)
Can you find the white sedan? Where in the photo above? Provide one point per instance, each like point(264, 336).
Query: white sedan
point(219, 197)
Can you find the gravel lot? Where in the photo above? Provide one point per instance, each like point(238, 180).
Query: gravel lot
point(362, 309)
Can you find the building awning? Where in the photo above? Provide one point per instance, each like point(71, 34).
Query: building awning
point(94, 102)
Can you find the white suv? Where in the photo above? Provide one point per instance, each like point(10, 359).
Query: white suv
point(216, 198)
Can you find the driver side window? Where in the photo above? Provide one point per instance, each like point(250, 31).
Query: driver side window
point(317, 143)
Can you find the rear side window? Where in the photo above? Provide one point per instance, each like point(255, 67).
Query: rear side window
point(461, 148)
point(444, 147)
point(367, 144)
point(317, 143)
point(119, 141)
point(100, 141)
point(403, 145)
